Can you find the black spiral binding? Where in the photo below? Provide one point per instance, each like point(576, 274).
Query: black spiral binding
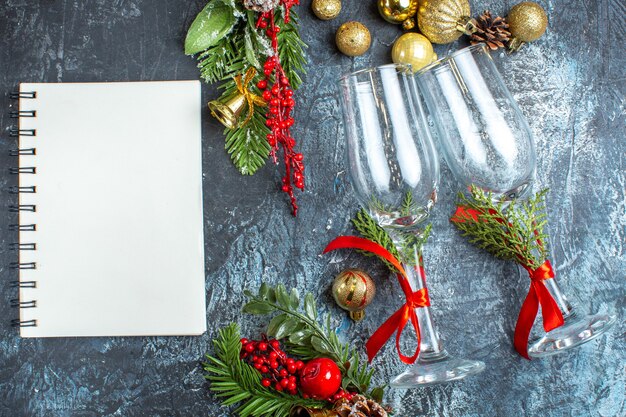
point(16, 208)
point(14, 133)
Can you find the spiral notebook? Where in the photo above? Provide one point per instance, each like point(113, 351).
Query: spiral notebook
point(110, 209)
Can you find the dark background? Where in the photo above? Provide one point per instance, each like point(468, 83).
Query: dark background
point(570, 85)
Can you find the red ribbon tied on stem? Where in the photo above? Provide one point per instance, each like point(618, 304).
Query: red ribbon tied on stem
point(538, 294)
point(405, 314)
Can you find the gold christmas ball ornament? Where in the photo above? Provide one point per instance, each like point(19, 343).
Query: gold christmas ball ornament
point(353, 38)
point(399, 12)
point(353, 290)
point(412, 48)
point(444, 21)
point(527, 22)
point(326, 9)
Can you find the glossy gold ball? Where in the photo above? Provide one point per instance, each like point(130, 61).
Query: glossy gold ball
point(353, 38)
point(353, 290)
point(527, 21)
point(412, 48)
point(443, 21)
point(397, 11)
point(326, 9)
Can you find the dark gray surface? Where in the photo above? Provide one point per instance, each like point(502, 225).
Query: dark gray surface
point(570, 85)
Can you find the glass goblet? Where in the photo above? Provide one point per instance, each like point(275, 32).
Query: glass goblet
point(394, 170)
point(486, 141)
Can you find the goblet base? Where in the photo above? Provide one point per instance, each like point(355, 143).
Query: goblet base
point(574, 332)
point(431, 369)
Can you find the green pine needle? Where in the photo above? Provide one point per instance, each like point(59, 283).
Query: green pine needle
point(291, 50)
point(510, 231)
point(304, 336)
point(246, 46)
point(247, 144)
point(238, 383)
point(411, 243)
point(219, 61)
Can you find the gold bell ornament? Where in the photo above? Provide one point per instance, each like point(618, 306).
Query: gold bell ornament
point(326, 9)
point(228, 110)
point(353, 290)
point(527, 22)
point(399, 12)
point(413, 48)
point(444, 21)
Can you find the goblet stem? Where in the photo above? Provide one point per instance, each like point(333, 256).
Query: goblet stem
point(431, 344)
point(434, 365)
point(576, 329)
point(556, 293)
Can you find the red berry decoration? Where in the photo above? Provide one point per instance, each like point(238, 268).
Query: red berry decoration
point(320, 378)
point(278, 371)
point(279, 97)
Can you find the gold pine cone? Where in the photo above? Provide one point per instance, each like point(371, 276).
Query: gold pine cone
point(326, 9)
point(360, 406)
point(353, 38)
point(527, 21)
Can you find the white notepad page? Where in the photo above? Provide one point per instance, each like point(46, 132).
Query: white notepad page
point(119, 240)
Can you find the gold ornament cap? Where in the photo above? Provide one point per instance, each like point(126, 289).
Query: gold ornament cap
point(353, 290)
point(527, 21)
point(412, 48)
point(326, 9)
point(353, 38)
point(399, 12)
point(408, 24)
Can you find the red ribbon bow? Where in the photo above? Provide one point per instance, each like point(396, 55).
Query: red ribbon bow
point(538, 294)
point(405, 314)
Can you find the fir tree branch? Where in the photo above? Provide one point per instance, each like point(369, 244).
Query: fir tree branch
point(247, 144)
point(410, 242)
point(408, 204)
point(291, 49)
point(216, 62)
point(237, 382)
point(369, 229)
point(304, 336)
point(247, 47)
point(510, 231)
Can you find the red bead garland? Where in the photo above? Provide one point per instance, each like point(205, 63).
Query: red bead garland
point(279, 96)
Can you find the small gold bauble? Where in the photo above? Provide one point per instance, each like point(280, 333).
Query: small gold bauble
point(326, 9)
point(398, 11)
point(353, 290)
point(444, 21)
point(353, 38)
point(527, 21)
point(412, 48)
